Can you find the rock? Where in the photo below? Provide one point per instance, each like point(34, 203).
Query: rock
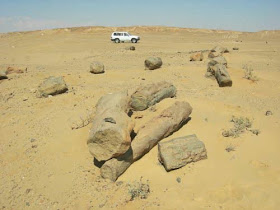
point(166, 123)
point(197, 57)
point(111, 127)
point(213, 62)
point(130, 48)
point(220, 49)
point(97, 67)
point(222, 76)
point(148, 95)
point(178, 152)
point(235, 48)
point(52, 86)
point(17, 70)
point(153, 63)
point(268, 113)
point(3, 75)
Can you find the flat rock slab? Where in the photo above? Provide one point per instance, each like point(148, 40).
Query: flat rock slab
point(52, 86)
point(178, 152)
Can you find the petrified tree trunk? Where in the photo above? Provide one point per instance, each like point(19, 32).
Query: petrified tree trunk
point(178, 152)
point(110, 133)
point(146, 96)
point(222, 76)
point(169, 121)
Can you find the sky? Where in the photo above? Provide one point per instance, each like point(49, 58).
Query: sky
point(238, 15)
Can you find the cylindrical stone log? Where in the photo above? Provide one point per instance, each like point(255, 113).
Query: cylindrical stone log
point(222, 76)
point(110, 133)
point(150, 94)
point(169, 121)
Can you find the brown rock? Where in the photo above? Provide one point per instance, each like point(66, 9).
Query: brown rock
point(153, 63)
point(197, 56)
point(97, 67)
point(17, 70)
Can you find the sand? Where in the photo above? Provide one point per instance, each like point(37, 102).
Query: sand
point(46, 164)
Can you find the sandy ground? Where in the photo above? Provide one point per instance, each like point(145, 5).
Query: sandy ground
point(46, 165)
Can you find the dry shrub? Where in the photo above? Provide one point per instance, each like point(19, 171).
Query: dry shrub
point(249, 73)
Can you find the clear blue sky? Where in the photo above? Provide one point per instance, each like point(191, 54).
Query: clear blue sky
point(242, 15)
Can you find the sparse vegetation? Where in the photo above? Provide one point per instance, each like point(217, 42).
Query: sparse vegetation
point(249, 73)
point(139, 189)
point(241, 125)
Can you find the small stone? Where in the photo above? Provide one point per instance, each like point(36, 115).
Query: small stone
point(153, 63)
point(235, 48)
point(97, 67)
point(25, 99)
point(268, 113)
point(32, 140)
point(178, 179)
point(52, 86)
point(3, 75)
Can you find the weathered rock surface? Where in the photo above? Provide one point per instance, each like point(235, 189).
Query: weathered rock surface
point(97, 67)
point(197, 57)
point(111, 127)
point(52, 86)
point(178, 152)
point(222, 76)
point(16, 70)
point(148, 95)
point(3, 75)
point(169, 121)
point(213, 62)
point(153, 63)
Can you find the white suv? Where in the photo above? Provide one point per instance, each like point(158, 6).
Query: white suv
point(118, 37)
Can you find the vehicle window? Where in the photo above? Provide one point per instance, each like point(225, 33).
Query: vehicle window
point(115, 34)
point(126, 34)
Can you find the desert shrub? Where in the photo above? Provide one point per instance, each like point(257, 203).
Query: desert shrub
point(139, 189)
point(240, 125)
point(249, 73)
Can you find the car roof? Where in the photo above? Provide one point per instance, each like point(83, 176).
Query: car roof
point(120, 32)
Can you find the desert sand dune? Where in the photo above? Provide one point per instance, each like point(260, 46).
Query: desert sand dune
point(46, 164)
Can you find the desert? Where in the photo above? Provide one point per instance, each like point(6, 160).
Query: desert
point(44, 157)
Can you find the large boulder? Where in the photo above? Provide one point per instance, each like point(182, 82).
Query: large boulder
point(3, 75)
point(97, 67)
point(197, 56)
point(17, 70)
point(178, 152)
point(222, 76)
point(52, 86)
point(148, 95)
point(153, 63)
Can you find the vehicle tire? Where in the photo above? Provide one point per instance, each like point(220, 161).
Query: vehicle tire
point(117, 41)
point(134, 40)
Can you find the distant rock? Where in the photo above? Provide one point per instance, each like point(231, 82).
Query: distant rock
point(16, 70)
point(130, 48)
point(197, 56)
point(3, 75)
point(178, 152)
point(153, 63)
point(268, 113)
point(220, 49)
point(52, 86)
point(235, 48)
point(97, 67)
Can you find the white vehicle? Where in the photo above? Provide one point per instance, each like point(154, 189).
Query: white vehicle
point(118, 37)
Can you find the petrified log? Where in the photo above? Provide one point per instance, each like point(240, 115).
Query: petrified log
point(148, 95)
point(222, 76)
point(110, 133)
point(178, 152)
point(169, 121)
